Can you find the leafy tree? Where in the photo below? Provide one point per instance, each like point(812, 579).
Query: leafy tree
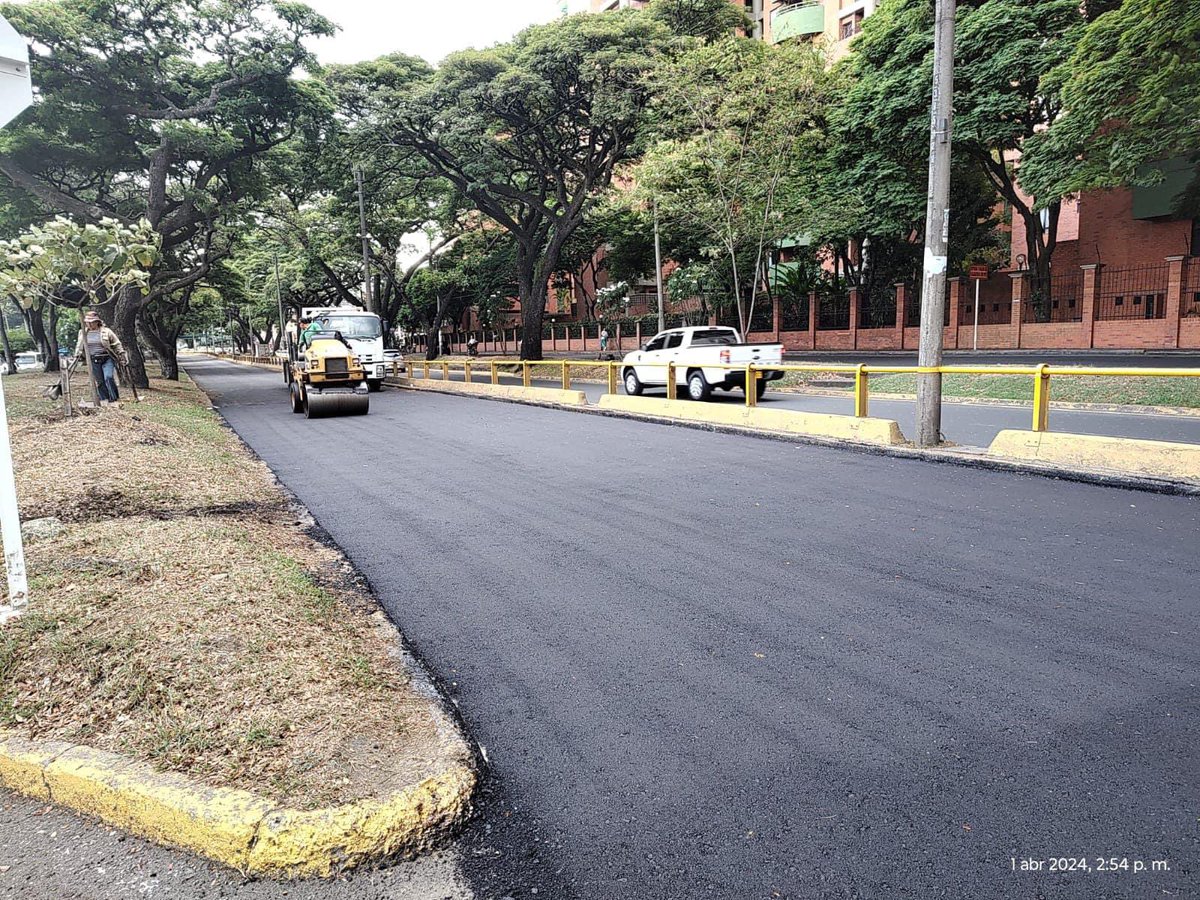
point(729, 163)
point(64, 263)
point(161, 111)
point(710, 20)
point(531, 132)
point(1130, 91)
point(1004, 49)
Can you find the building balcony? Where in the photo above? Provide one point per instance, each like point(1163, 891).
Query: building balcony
point(798, 21)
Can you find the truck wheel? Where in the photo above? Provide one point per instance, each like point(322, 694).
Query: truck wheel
point(375, 385)
point(633, 387)
point(760, 388)
point(698, 387)
point(297, 398)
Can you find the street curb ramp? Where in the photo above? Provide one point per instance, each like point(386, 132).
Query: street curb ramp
point(783, 421)
point(510, 392)
point(234, 827)
point(1162, 459)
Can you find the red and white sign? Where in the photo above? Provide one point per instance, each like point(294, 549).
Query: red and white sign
point(978, 273)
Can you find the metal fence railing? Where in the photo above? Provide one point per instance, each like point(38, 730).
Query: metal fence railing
point(1134, 293)
point(877, 310)
point(1054, 297)
point(833, 311)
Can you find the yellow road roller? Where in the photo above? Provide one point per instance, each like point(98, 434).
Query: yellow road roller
point(326, 378)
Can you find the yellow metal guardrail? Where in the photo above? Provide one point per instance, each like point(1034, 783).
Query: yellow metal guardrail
point(1041, 375)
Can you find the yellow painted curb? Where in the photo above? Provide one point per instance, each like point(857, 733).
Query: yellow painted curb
point(1161, 458)
point(786, 421)
point(235, 827)
point(556, 396)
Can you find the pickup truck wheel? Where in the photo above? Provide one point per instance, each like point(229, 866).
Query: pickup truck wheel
point(760, 388)
point(698, 387)
point(633, 386)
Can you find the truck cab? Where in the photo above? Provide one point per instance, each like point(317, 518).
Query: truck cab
point(362, 331)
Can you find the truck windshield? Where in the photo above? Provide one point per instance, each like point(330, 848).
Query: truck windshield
point(714, 336)
point(363, 328)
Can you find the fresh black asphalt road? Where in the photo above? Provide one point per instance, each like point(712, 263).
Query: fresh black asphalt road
point(972, 424)
point(712, 666)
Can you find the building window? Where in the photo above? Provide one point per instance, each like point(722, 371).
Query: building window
point(850, 26)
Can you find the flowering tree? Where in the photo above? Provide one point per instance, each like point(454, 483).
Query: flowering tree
point(65, 263)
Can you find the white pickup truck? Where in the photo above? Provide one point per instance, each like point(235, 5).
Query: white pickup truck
point(700, 356)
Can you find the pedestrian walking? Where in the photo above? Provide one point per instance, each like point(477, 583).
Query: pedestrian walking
point(603, 341)
point(100, 344)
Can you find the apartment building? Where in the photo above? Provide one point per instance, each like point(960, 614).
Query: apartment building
point(834, 22)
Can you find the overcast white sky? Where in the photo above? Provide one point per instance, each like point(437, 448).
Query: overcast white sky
point(371, 28)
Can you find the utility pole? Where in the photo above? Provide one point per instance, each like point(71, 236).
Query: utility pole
point(937, 229)
point(279, 300)
point(662, 318)
point(366, 246)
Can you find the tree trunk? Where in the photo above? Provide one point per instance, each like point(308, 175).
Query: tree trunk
point(533, 307)
point(37, 330)
point(124, 323)
point(433, 343)
point(10, 358)
point(163, 346)
point(53, 363)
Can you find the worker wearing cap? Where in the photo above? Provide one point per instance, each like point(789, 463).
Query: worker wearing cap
point(105, 351)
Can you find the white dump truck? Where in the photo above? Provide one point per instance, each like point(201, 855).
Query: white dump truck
point(363, 331)
point(700, 356)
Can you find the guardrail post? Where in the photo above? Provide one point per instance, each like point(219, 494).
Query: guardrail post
point(861, 381)
point(495, 372)
point(612, 376)
point(525, 379)
point(566, 375)
point(445, 371)
point(671, 392)
point(751, 386)
point(466, 371)
point(1041, 398)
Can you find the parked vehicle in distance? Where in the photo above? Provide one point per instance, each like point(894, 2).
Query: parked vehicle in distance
point(700, 355)
point(30, 361)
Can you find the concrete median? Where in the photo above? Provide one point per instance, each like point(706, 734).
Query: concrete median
point(782, 421)
point(1162, 459)
point(511, 392)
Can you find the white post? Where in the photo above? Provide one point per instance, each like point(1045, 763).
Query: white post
point(10, 524)
point(975, 340)
point(16, 93)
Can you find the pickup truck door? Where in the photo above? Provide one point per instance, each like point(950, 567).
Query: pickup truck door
point(654, 353)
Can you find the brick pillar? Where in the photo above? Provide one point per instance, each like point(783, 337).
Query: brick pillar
point(1174, 314)
point(901, 312)
point(776, 317)
point(638, 332)
point(712, 319)
point(1090, 301)
point(812, 320)
point(1020, 290)
point(956, 297)
point(855, 296)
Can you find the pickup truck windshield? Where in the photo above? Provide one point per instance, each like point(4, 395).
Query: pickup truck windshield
point(365, 328)
point(714, 337)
